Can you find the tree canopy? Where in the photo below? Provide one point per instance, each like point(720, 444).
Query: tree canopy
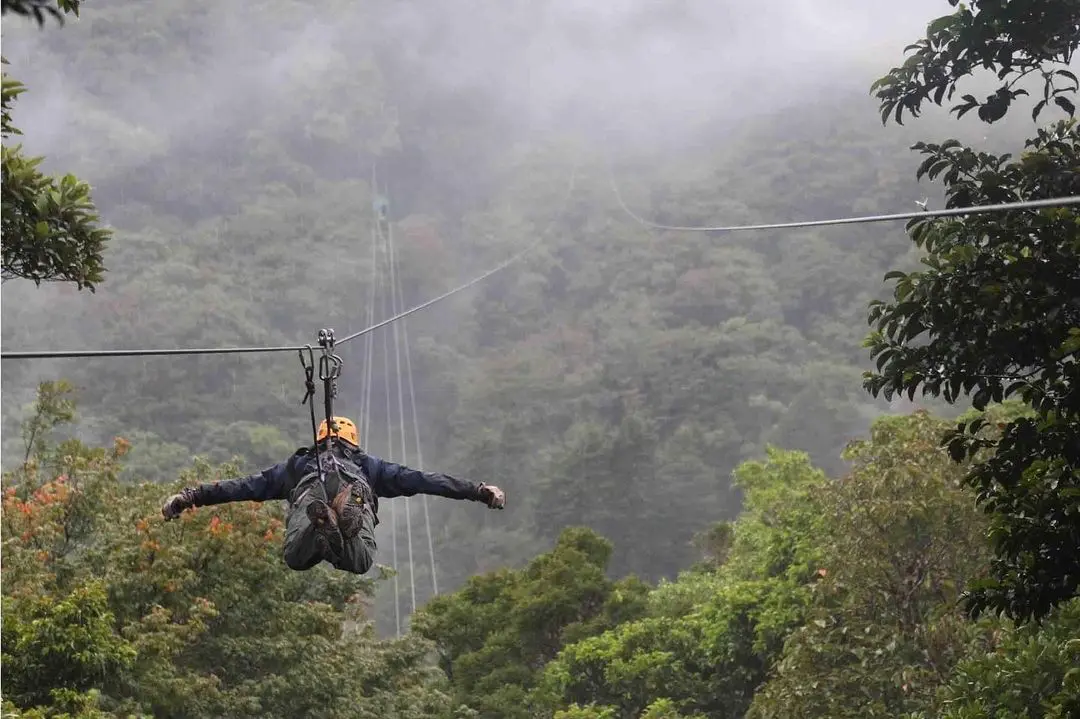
point(709, 516)
point(994, 312)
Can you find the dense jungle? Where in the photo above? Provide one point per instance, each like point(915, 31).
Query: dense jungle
point(827, 471)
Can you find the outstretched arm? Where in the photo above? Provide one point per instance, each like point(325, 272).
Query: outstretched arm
point(396, 480)
point(271, 483)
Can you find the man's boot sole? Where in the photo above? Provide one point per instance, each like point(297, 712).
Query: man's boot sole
point(352, 520)
point(322, 518)
point(350, 512)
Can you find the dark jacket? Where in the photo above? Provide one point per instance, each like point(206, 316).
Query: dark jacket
point(385, 478)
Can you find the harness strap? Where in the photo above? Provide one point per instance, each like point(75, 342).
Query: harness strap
point(348, 472)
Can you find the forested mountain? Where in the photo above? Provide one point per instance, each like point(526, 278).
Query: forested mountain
point(614, 379)
point(233, 155)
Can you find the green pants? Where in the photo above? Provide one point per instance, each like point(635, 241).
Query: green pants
point(302, 547)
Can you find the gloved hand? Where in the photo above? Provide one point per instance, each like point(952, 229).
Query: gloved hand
point(176, 504)
point(492, 496)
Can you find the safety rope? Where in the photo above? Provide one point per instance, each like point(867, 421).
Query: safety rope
point(309, 399)
point(329, 372)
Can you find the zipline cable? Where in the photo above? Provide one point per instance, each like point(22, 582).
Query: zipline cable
point(476, 280)
point(368, 388)
point(365, 370)
point(390, 258)
point(368, 391)
point(948, 212)
point(49, 354)
point(419, 451)
point(59, 354)
point(393, 505)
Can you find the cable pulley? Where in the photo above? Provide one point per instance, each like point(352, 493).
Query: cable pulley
point(309, 398)
point(329, 372)
point(329, 365)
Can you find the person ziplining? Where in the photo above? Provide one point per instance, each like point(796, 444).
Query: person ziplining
point(332, 514)
point(331, 487)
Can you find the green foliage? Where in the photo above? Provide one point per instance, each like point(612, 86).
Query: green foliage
point(495, 635)
point(589, 712)
point(988, 279)
point(660, 709)
point(775, 533)
point(54, 406)
point(1013, 40)
point(715, 544)
point(38, 9)
point(50, 225)
point(107, 607)
point(708, 661)
point(1030, 671)
point(71, 640)
point(711, 636)
point(898, 540)
point(990, 315)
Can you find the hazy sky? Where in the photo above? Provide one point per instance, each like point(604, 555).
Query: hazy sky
point(644, 69)
point(660, 67)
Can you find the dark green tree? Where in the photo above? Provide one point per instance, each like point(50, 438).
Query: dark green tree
point(38, 9)
point(994, 311)
point(495, 635)
point(57, 650)
point(710, 638)
point(897, 540)
point(1028, 671)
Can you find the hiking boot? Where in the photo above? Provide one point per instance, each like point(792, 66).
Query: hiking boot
point(326, 527)
point(349, 507)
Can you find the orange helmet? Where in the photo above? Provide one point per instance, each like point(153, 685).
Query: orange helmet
point(344, 429)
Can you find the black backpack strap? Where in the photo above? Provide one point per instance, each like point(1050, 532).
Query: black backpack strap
point(305, 469)
point(352, 471)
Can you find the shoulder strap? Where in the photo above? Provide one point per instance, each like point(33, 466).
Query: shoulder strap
point(345, 462)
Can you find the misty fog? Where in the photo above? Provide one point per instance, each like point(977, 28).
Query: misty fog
point(650, 73)
point(232, 145)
